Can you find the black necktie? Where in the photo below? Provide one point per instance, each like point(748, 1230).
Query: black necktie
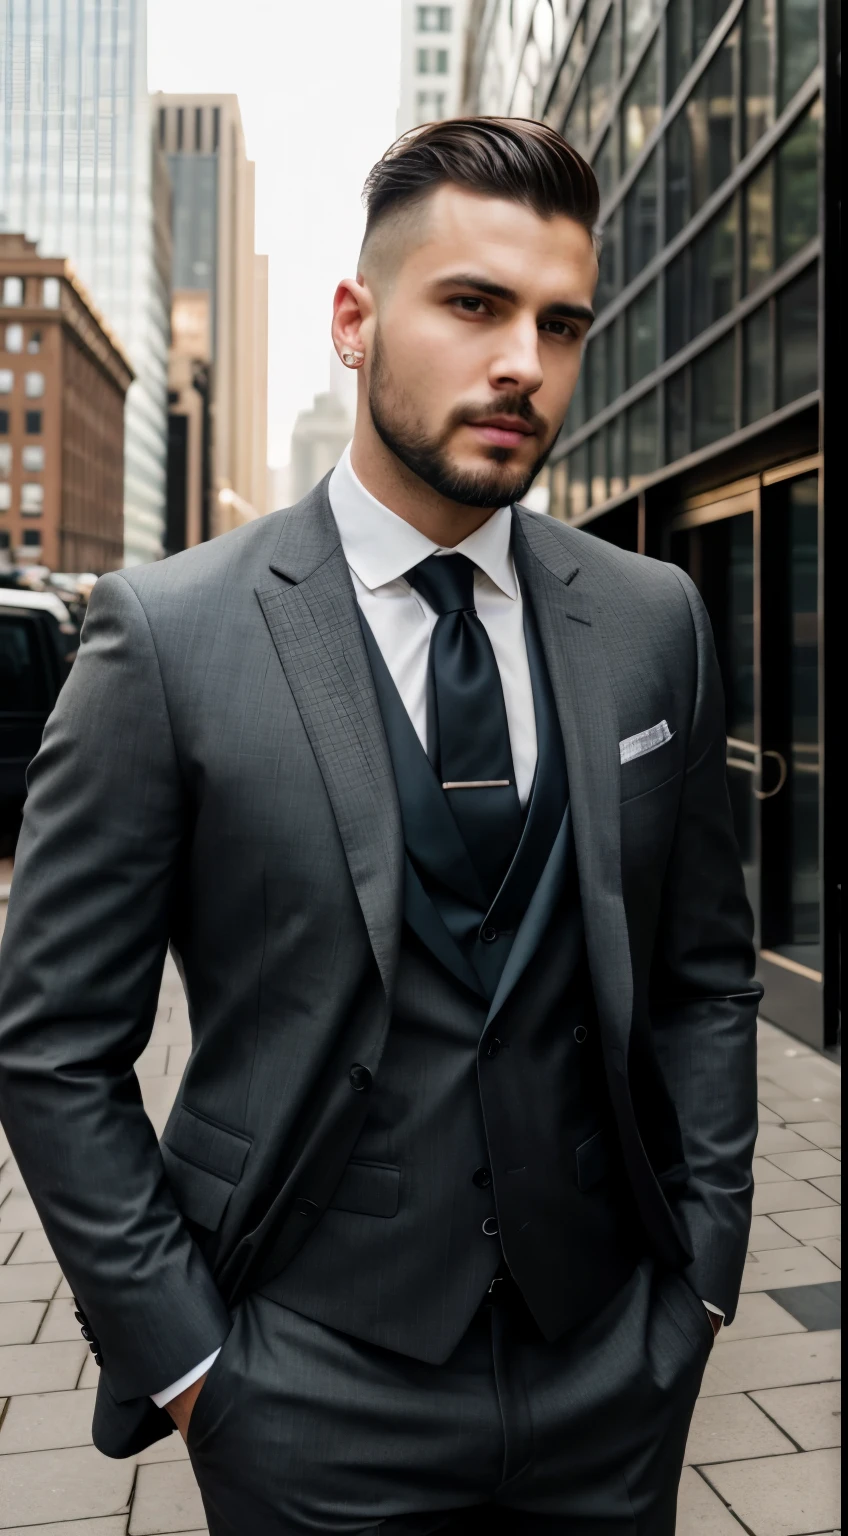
point(467, 732)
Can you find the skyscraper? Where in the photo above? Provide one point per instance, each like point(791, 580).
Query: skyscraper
point(432, 43)
point(216, 267)
point(76, 176)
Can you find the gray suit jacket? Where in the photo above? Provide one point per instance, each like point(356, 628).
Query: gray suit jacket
point(216, 776)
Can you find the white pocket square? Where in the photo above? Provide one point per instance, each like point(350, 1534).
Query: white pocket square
point(644, 741)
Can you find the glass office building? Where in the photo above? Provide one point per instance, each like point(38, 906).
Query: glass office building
point(698, 427)
point(75, 175)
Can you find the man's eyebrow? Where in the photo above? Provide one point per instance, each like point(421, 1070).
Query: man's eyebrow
point(564, 310)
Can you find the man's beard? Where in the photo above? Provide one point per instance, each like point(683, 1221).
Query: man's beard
point(428, 457)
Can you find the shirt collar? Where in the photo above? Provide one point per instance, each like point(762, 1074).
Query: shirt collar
point(379, 546)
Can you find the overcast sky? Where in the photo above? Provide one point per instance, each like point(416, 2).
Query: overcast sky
point(317, 82)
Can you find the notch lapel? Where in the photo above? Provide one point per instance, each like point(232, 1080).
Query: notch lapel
point(314, 624)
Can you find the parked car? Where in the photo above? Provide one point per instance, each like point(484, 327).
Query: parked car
point(38, 643)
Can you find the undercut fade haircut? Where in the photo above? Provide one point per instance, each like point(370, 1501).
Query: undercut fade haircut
point(507, 157)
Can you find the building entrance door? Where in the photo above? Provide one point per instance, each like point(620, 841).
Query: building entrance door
point(754, 556)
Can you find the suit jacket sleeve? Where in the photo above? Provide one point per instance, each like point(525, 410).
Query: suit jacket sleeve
point(82, 959)
point(703, 997)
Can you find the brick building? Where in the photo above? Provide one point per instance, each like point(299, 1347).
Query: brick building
point(63, 382)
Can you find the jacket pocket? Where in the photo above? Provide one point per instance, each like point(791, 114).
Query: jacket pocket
point(204, 1162)
point(592, 1161)
point(368, 1189)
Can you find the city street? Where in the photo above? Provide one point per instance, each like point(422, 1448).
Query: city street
point(762, 1455)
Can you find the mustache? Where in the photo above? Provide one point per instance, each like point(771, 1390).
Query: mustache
point(502, 405)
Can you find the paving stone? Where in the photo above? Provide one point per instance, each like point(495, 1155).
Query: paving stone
point(33, 1248)
point(20, 1321)
point(166, 1499)
point(805, 1077)
point(112, 1526)
point(823, 1133)
point(178, 1059)
point(730, 1428)
point(793, 1195)
point(171, 1031)
point(765, 1234)
point(59, 1323)
point(767, 1116)
point(779, 1138)
point(796, 1111)
point(782, 1496)
point(64, 1290)
point(831, 1247)
point(90, 1374)
point(775, 1267)
point(28, 1282)
point(757, 1317)
point(812, 1415)
point(766, 1173)
point(43, 1367)
point(172, 1448)
point(831, 1186)
point(749, 1365)
point(18, 1214)
point(152, 1061)
point(700, 1511)
point(818, 1307)
point(7, 1243)
point(77, 1484)
point(43, 1421)
point(805, 1165)
point(158, 1096)
point(826, 1221)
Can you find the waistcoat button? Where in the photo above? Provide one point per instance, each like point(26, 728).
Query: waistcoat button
point(360, 1078)
point(482, 1178)
point(488, 934)
point(493, 1047)
point(580, 1033)
point(490, 1226)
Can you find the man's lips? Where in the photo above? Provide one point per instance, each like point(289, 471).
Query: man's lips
point(505, 431)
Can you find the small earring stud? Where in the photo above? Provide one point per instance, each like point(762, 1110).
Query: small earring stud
point(353, 359)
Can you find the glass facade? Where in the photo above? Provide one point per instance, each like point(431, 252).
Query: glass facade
point(75, 175)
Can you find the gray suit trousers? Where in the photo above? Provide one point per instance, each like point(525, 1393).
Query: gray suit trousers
point(299, 1429)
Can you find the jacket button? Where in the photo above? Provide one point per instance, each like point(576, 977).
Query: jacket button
point(490, 1226)
point(87, 1335)
point(98, 1359)
point(305, 1207)
point(580, 1033)
point(488, 934)
point(482, 1178)
point(360, 1078)
point(493, 1047)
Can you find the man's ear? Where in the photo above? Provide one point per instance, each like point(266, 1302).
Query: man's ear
point(353, 307)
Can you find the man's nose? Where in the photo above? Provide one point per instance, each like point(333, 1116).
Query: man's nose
point(517, 364)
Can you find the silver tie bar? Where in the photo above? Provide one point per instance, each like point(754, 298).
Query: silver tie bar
point(476, 784)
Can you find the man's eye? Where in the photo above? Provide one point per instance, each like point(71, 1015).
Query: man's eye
point(471, 305)
point(558, 328)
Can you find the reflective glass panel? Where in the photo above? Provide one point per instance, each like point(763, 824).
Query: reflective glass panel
point(638, 15)
point(803, 785)
point(714, 270)
point(598, 468)
point(797, 332)
point(601, 75)
point(758, 44)
point(594, 374)
point(677, 415)
point(604, 164)
point(677, 331)
point(689, 24)
point(757, 365)
point(610, 274)
point(615, 455)
point(577, 409)
point(640, 219)
point(711, 116)
point(759, 227)
point(576, 129)
point(642, 439)
point(614, 344)
point(799, 45)
point(642, 106)
point(578, 482)
point(713, 393)
point(798, 186)
point(678, 199)
point(641, 328)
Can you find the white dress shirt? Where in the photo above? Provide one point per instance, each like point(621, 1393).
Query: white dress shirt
point(379, 547)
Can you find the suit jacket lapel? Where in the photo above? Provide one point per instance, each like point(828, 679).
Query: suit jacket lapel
point(315, 628)
point(574, 651)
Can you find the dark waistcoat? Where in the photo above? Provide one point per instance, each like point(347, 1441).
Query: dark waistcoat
point(489, 1134)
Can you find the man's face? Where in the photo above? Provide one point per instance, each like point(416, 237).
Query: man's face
point(475, 344)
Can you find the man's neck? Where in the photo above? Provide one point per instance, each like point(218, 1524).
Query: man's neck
point(381, 472)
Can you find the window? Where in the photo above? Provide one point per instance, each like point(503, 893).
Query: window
point(4, 424)
point(598, 468)
point(430, 105)
point(34, 343)
point(615, 455)
point(642, 106)
point(13, 291)
point(642, 335)
point(180, 126)
point(759, 227)
point(701, 139)
point(640, 220)
point(216, 129)
point(32, 421)
point(714, 392)
point(33, 385)
point(32, 499)
point(32, 538)
point(797, 338)
point(51, 293)
point(25, 680)
point(604, 164)
point(677, 415)
point(5, 496)
point(5, 459)
point(432, 61)
point(14, 338)
point(7, 381)
point(433, 18)
point(642, 439)
point(689, 24)
point(757, 365)
point(578, 482)
point(677, 304)
point(714, 270)
point(600, 73)
point(798, 186)
point(198, 127)
point(799, 45)
point(4, 537)
point(32, 458)
point(161, 125)
point(638, 15)
point(758, 46)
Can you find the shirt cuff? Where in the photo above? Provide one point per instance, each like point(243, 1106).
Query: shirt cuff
point(717, 1310)
point(176, 1387)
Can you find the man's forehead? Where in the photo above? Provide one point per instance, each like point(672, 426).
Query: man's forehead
point(502, 241)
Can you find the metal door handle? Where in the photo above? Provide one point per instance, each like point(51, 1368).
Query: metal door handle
point(769, 794)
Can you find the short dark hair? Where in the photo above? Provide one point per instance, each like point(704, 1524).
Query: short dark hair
point(509, 157)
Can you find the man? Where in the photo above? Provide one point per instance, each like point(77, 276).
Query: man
point(427, 795)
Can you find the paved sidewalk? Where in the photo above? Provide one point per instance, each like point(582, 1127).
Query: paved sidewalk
point(762, 1454)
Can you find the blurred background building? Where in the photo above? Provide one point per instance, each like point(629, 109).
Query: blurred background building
point(432, 46)
point(698, 429)
point(218, 370)
point(76, 175)
point(63, 381)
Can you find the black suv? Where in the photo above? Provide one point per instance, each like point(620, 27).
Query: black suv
point(38, 641)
